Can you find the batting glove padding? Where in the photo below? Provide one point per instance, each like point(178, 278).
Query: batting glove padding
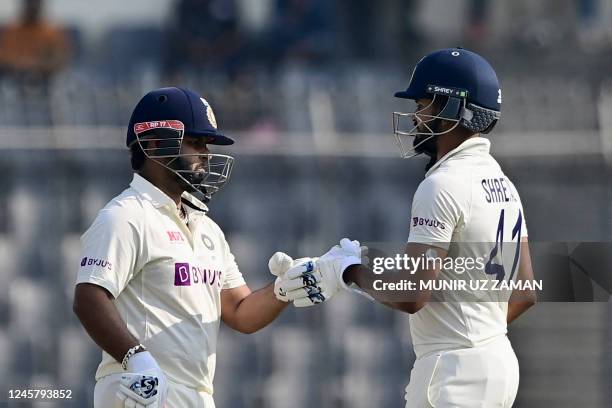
point(144, 385)
point(340, 257)
point(279, 264)
point(335, 261)
point(307, 284)
point(138, 391)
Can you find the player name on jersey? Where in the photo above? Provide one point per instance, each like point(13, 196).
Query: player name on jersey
point(497, 191)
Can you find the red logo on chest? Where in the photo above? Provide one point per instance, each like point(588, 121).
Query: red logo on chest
point(175, 236)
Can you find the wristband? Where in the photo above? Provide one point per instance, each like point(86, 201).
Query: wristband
point(136, 349)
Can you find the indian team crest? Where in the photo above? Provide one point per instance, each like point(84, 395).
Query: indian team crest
point(209, 113)
point(208, 243)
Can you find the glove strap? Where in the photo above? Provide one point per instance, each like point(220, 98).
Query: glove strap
point(136, 349)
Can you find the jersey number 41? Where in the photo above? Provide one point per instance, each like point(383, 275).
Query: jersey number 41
point(495, 265)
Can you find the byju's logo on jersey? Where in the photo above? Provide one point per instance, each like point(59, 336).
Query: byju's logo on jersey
point(186, 275)
point(102, 263)
point(416, 221)
point(181, 274)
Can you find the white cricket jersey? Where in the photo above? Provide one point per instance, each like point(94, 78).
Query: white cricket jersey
point(166, 278)
point(468, 206)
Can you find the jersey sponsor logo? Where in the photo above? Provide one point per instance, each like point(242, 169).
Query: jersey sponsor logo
point(496, 190)
point(175, 236)
point(102, 263)
point(419, 221)
point(182, 277)
point(186, 275)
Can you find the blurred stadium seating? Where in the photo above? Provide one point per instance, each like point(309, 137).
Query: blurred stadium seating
point(315, 161)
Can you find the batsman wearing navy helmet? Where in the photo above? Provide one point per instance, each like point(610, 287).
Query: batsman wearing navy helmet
point(464, 358)
point(465, 209)
point(459, 93)
point(157, 275)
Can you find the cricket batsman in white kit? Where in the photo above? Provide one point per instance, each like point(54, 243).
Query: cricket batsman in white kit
point(466, 207)
point(157, 275)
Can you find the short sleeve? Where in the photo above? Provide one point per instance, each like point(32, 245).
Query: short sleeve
point(436, 212)
point(109, 251)
point(232, 275)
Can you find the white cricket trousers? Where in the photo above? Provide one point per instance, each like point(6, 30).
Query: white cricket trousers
point(179, 396)
point(478, 377)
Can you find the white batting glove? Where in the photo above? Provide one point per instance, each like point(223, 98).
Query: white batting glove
point(335, 261)
point(279, 264)
point(324, 277)
point(305, 286)
point(144, 385)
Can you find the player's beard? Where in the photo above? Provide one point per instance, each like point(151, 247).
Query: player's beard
point(425, 144)
point(425, 141)
point(190, 177)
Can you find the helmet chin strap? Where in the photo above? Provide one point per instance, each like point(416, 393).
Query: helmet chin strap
point(200, 195)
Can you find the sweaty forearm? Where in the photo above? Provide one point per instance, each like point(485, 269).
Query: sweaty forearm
point(257, 310)
point(99, 316)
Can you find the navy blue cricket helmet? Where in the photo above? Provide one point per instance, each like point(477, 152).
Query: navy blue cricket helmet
point(456, 68)
point(469, 90)
point(164, 116)
point(177, 104)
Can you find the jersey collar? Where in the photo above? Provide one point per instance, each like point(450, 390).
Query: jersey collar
point(474, 146)
point(150, 192)
point(160, 199)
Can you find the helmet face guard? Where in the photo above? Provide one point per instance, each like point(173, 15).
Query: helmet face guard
point(203, 174)
point(424, 128)
point(415, 132)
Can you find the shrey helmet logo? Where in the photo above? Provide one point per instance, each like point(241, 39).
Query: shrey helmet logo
point(209, 113)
